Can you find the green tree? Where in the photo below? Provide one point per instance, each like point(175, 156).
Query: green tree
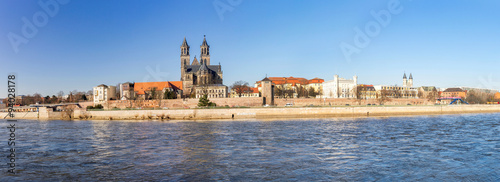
point(170, 94)
point(312, 93)
point(205, 102)
point(301, 91)
point(152, 93)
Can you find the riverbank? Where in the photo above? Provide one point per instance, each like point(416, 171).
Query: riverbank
point(258, 113)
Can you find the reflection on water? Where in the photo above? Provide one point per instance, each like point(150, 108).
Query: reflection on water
point(430, 148)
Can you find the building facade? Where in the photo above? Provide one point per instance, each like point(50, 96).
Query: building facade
point(212, 91)
point(127, 91)
point(198, 72)
point(267, 90)
point(292, 87)
point(396, 91)
point(340, 87)
point(427, 92)
point(143, 90)
point(366, 92)
point(246, 92)
point(104, 93)
point(453, 93)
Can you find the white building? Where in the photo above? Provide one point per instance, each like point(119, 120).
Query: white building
point(103, 93)
point(212, 91)
point(127, 91)
point(340, 87)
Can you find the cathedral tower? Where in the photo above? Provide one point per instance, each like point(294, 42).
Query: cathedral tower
point(410, 81)
point(185, 58)
point(405, 83)
point(205, 52)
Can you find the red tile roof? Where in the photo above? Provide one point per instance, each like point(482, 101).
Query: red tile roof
point(293, 80)
point(255, 90)
point(141, 87)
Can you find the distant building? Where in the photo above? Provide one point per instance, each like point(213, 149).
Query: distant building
point(199, 73)
point(104, 93)
point(405, 91)
point(143, 90)
point(127, 91)
point(424, 91)
point(2, 105)
point(367, 91)
point(267, 90)
point(453, 92)
point(407, 82)
point(289, 87)
point(396, 91)
point(247, 92)
point(497, 96)
point(340, 87)
point(212, 91)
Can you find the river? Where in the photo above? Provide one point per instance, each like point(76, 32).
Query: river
point(429, 148)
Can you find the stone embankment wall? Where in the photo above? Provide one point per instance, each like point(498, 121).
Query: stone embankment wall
point(251, 102)
point(42, 114)
point(263, 113)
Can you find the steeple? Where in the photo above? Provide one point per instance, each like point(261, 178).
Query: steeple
point(205, 51)
point(185, 44)
point(405, 82)
point(184, 47)
point(410, 81)
point(204, 41)
point(185, 58)
point(195, 61)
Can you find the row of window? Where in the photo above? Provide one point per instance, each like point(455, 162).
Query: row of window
point(211, 91)
point(212, 96)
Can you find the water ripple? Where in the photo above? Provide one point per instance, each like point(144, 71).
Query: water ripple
point(428, 148)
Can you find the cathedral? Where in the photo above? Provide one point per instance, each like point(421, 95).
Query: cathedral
point(407, 82)
point(199, 74)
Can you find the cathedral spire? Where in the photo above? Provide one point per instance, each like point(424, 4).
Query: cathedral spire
point(404, 76)
point(184, 43)
point(411, 77)
point(204, 41)
point(205, 51)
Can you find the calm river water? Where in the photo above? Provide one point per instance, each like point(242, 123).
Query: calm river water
point(428, 148)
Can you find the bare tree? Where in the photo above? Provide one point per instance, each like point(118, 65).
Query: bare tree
point(37, 98)
point(60, 94)
point(301, 91)
point(382, 97)
point(240, 87)
point(432, 95)
point(358, 93)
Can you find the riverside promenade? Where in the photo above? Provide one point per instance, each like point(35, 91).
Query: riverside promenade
point(256, 113)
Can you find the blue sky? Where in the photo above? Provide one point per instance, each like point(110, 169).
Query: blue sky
point(85, 43)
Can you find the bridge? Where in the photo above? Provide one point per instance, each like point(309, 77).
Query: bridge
point(54, 106)
point(454, 99)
